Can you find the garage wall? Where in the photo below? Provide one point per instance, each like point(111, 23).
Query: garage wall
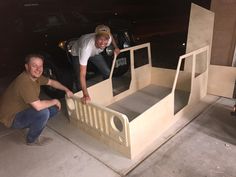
point(224, 36)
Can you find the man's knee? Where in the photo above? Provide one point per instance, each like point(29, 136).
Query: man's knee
point(52, 111)
point(43, 115)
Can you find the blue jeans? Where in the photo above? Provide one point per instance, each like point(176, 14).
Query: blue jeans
point(98, 61)
point(34, 120)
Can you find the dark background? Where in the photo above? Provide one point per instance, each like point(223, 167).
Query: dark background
point(163, 23)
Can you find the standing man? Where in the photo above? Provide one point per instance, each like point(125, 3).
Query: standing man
point(20, 106)
point(89, 47)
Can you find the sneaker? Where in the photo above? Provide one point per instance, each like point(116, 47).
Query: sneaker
point(24, 132)
point(41, 141)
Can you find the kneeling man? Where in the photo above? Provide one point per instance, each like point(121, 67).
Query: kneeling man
point(20, 106)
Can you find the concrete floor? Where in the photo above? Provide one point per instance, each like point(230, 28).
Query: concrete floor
point(205, 147)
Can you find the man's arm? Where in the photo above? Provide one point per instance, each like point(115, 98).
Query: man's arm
point(58, 85)
point(117, 50)
point(83, 70)
point(42, 104)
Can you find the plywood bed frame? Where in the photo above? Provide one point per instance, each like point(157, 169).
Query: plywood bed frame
point(132, 137)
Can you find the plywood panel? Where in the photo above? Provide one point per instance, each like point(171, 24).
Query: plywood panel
point(150, 124)
point(97, 91)
point(165, 78)
point(221, 80)
point(200, 32)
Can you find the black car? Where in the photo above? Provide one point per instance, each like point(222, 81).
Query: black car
point(49, 31)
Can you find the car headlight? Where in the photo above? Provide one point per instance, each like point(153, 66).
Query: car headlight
point(62, 45)
point(126, 44)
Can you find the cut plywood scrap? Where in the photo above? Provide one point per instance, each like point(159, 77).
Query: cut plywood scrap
point(221, 80)
point(200, 32)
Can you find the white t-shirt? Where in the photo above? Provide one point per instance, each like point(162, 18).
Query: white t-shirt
point(85, 48)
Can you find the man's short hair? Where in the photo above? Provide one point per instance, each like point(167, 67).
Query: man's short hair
point(33, 55)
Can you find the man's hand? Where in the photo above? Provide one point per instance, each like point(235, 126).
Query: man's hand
point(85, 99)
point(57, 103)
point(117, 51)
point(58, 85)
point(69, 93)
